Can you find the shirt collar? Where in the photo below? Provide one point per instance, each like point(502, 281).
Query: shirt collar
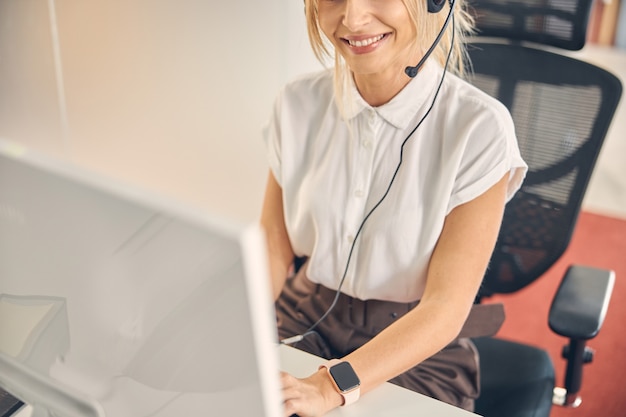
point(401, 109)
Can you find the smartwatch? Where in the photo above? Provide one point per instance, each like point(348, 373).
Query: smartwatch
point(344, 379)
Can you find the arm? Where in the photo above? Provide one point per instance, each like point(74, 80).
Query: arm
point(272, 219)
point(455, 272)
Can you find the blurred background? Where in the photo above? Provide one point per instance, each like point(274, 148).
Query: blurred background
point(168, 95)
point(171, 96)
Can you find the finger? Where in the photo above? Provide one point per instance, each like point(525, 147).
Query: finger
point(289, 408)
point(289, 382)
point(290, 389)
point(298, 407)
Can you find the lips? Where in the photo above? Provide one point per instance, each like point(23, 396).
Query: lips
point(364, 44)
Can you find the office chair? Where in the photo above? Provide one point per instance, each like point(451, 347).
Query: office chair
point(562, 108)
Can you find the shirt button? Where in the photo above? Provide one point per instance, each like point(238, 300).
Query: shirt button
point(350, 238)
point(372, 119)
point(358, 193)
point(367, 144)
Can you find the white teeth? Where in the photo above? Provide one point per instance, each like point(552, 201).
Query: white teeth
point(365, 42)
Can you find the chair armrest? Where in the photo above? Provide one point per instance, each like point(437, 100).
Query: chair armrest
point(580, 304)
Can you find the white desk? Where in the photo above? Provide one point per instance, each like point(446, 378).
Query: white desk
point(387, 400)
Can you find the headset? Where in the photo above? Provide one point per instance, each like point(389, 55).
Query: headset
point(434, 6)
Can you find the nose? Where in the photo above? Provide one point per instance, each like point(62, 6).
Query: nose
point(355, 14)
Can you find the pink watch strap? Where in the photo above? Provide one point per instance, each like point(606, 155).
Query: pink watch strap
point(349, 397)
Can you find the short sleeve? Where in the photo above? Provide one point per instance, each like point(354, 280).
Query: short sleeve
point(491, 151)
point(272, 140)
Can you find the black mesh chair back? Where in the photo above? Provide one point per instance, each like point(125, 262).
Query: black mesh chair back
point(559, 23)
point(562, 109)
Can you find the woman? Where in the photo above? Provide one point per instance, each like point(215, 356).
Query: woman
point(393, 189)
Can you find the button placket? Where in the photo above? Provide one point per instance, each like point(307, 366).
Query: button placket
point(360, 183)
point(363, 172)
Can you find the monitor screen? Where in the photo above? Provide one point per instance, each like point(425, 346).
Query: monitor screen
point(116, 302)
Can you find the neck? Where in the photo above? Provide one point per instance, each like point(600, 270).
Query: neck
point(377, 89)
point(380, 87)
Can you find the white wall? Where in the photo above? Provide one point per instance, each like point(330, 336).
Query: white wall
point(606, 193)
point(620, 36)
point(29, 106)
point(166, 94)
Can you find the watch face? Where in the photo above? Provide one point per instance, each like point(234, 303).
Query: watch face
point(344, 376)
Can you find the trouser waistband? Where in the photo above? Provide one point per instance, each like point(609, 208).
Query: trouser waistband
point(483, 319)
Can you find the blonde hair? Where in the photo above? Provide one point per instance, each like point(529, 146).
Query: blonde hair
point(427, 26)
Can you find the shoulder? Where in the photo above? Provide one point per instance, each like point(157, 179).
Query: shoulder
point(474, 106)
point(309, 89)
point(476, 123)
point(304, 101)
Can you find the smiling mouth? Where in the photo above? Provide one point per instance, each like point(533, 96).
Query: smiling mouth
point(364, 42)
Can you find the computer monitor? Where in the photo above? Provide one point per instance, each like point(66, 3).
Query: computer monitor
point(116, 302)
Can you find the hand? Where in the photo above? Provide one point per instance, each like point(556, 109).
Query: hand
point(309, 397)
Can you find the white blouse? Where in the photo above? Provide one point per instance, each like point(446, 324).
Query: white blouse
point(332, 173)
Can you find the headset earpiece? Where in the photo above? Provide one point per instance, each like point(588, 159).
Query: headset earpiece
point(435, 6)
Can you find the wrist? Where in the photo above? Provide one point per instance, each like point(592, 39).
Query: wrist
point(343, 381)
point(329, 393)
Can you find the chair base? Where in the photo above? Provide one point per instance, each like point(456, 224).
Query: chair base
point(561, 397)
